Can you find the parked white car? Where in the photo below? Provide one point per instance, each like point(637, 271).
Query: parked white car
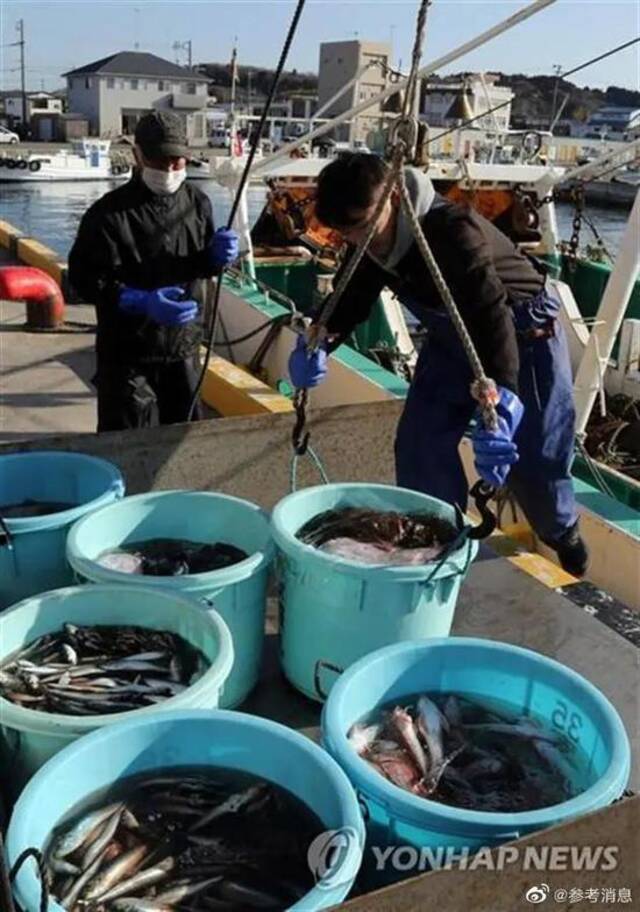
point(8, 136)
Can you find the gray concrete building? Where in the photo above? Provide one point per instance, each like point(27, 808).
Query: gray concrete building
point(341, 61)
point(113, 93)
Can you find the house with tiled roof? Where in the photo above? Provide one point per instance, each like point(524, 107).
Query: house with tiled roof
point(114, 92)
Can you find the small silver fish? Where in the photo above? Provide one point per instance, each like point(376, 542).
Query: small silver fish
point(131, 665)
point(103, 840)
point(147, 878)
point(78, 835)
point(403, 724)
point(232, 805)
point(133, 904)
point(430, 727)
point(123, 866)
point(69, 900)
point(60, 866)
point(71, 656)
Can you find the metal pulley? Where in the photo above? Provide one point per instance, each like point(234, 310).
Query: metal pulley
point(403, 132)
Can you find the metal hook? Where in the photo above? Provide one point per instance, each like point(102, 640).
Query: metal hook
point(482, 494)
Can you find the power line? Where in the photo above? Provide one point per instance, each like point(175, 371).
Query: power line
point(615, 50)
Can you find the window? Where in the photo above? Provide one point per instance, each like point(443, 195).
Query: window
point(111, 83)
point(161, 86)
point(134, 84)
point(87, 83)
point(191, 88)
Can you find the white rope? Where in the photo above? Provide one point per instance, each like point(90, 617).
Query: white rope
point(482, 389)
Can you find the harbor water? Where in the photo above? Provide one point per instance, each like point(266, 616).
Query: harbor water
point(51, 212)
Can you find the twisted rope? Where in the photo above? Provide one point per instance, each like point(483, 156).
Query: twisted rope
point(410, 94)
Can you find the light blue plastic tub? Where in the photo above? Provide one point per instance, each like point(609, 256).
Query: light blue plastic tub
point(238, 593)
point(532, 683)
point(34, 560)
point(29, 738)
point(233, 740)
point(333, 611)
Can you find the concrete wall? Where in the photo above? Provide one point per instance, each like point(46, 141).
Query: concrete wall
point(104, 105)
point(248, 457)
point(339, 62)
point(83, 97)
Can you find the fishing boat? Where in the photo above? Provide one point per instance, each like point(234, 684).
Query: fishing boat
point(289, 268)
point(88, 160)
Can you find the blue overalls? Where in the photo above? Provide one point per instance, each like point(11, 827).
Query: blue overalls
point(439, 408)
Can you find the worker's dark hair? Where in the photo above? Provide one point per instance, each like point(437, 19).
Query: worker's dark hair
point(349, 182)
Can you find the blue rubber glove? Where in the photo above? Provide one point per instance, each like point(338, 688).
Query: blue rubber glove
point(165, 306)
point(224, 248)
point(494, 451)
point(307, 369)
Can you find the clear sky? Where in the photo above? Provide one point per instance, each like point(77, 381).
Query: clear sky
point(62, 34)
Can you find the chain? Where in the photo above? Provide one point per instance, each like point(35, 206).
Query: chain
point(300, 436)
point(545, 200)
point(574, 244)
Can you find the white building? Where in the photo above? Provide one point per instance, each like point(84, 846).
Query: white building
point(37, 103)
point(615, 122)
point(446, 104)
point(340, 61)
point(116, 91)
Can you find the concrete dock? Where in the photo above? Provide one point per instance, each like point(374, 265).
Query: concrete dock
point(48, 400)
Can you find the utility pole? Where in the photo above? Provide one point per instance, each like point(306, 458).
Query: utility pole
point(23, 90)
point(557, 69)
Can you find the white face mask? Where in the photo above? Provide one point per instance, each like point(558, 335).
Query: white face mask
point(163, 182)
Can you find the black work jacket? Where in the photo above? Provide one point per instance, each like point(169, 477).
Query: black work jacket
point(484, 270)
point(134, 237)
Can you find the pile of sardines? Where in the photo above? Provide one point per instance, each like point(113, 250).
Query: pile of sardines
point(198, 839)
point(85, 671)
point(449, 748)
point(378, 537)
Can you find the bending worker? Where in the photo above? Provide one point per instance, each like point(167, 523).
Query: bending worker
point(512, 320)
point(141, 255)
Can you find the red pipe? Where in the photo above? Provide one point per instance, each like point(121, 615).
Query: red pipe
point(45, 303)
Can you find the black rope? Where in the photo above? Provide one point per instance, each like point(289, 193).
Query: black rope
point(36, 854)
point(238, 196)
point(284, 318)
point(465, 123)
